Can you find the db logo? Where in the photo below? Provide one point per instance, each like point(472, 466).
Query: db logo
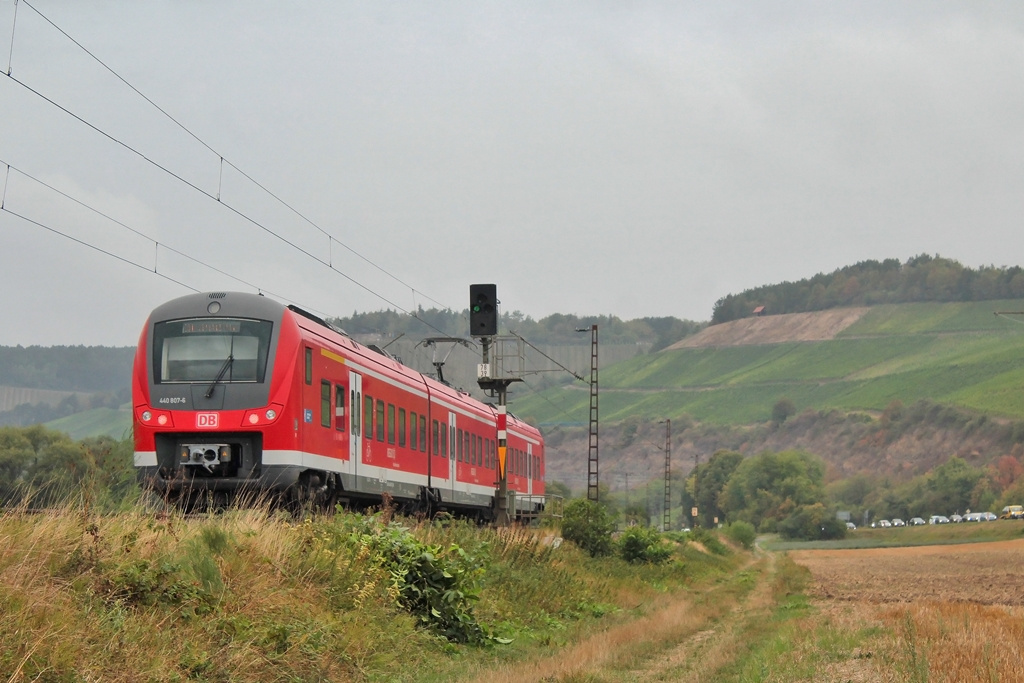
point(206, 420)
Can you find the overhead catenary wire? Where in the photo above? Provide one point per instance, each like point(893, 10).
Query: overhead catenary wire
point(222, 161)
point(99, 249)
point(156, 244)
point(524, 340)
point(229, 207)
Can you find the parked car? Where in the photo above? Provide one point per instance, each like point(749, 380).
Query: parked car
point(972, 517)
point(896, 521)
point(938, 519)
point(917, 521)
point(988, 516)
point(956, 519)
point(884, 523)
point(851, 526)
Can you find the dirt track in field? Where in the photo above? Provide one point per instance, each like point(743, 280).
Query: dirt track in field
point(980, 573)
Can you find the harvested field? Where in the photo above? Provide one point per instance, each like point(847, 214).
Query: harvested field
point(980, 573)
point(952, 613)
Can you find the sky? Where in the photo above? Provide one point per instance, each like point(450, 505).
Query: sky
point(630, 159)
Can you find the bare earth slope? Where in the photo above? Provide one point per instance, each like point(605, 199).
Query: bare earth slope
point(775, 329)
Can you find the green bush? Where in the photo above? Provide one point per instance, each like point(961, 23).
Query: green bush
point(589, 525)
point(643, 544)
point(742, 533)
point(437, 585)
point(812, 523)
point(709, 539)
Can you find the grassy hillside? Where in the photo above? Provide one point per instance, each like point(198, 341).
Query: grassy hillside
point(115, 423)
point(956, 353)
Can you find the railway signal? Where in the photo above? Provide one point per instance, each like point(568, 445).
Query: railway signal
point(483, 310)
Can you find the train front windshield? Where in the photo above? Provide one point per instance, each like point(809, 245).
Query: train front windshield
point(211, 349)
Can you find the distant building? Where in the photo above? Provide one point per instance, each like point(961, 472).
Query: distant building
point(759, 310)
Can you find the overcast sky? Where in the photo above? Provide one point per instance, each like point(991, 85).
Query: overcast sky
point(633, 159)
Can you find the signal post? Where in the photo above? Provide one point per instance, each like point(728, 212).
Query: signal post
point(493, 376)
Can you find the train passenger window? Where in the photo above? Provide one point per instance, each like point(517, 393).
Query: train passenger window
point(380, 420)
point(339, 407)
point(472, 448)
point(444, 444)
point(465, 444)
point(367, 417)
point(423, 433)
point(451, 442)
point(309, 365)
point(434, 428)
point(412, 430)
point(391, 423)
point(458, 446)
point(325, 403)
point(480, 450)
point(401, 426)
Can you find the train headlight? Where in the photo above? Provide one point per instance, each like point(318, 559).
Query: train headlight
point(253, 418)
point(271, 414)
point(162, 420)
point(146, 416)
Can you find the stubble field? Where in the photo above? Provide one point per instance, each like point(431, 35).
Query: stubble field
point(943, 613)
point(980, 573)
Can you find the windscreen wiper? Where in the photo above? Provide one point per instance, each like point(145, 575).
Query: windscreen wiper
point(220, 375)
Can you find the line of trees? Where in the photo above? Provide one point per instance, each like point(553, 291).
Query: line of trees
point(555, 329)
point(921, 278)
point(42, 468)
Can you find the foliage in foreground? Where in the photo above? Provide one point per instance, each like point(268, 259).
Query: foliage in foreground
point(251, 595)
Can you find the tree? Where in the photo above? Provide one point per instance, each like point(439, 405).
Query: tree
point(772, 485)
point(783, 410)
point(711, 479)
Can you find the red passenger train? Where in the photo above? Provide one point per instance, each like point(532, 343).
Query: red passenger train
point(235, 394)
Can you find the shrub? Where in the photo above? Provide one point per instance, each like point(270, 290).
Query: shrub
point(642, 544)
point(438, 585)
point(589, 525)
point(742, 533)
point(812, 523)
point(709, 539)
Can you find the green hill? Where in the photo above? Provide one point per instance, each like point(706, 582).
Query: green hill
point(951, 353)
point(113, 422)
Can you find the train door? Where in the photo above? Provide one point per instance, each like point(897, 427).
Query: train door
point(355, 440)
point(529, 469)
point(452, 469)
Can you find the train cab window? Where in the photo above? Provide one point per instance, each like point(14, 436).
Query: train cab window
point(423, 433)
point(390, 424)
point(458, 446)
point(339, 408)
point(380, 420)
point(325, 403)
point(367, 417)
point(309, 365)
point(221, 350)
point(412, 430)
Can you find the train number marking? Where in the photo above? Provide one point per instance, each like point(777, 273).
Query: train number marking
point(207, 420)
